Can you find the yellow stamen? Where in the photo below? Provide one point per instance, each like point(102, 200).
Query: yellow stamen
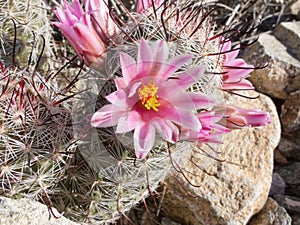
point(148, 96)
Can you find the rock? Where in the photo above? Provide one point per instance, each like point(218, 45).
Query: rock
point(277, 185)
point(290, 113)
point(288, 33)
point(291, 175)
point(233, 188)
point(290, 203)
point(296, 219)
point(289, 149)
point(271, 214)
point(279, 158)
point(282, 75)
point(25, 212)
point(294, 8)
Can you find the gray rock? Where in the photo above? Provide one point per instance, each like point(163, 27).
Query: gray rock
point(271, 214)
point(282, 75)
point(291, 175)
point(290, 112)
point(289, 149)
point(290, 203)
point(278, 185)
point(288, 33)
point(231, 191)
point(296, 219)
point(27, 212)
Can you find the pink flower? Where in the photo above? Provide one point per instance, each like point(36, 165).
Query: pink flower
point(211, 131)
point(79, 31)
point(151, 97)
point(238, 117)
point(101, 19)
point(142, 5)
point(235, 69)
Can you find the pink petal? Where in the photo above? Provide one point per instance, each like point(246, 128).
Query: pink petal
point(107, 116)
point(144, 136)
point(118, 98)
point(120, 83)
point(191, 101)
point(173, 65)
point(186, 79)
point(145, 52)
point(182, 117)
point(128, 122)
point(134, 88)
point(128, 66)
point(166, 129)
point(241, 85)
point(160, 51)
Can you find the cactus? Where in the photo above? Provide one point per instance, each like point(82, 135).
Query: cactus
point(48, 149)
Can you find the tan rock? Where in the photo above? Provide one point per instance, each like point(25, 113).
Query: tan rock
point(282, 75)
point(237, 188)
point(25, 212)
point(271, 214)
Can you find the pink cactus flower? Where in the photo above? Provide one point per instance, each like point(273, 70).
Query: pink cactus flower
point(101, 19)
point(238, 117)
point(211, 132)
point(151, 97)
point(79, 31)
point(235, 69)
point(143, 5)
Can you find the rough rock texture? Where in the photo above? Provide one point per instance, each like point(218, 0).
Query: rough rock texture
point(236, 188)
point(291, 175)
point(278, 185)
point(25, 212)
point(290, 203)
point(290, 113)
point(289, 149)
point(282, 75)
point(295, 219)
point(288, 33)
point(271, 214)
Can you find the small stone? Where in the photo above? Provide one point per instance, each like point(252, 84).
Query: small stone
point(291, 175)
point(289, 35)
point(295, 219)
point(282, 75)
point(290, 113)
point(289, 149)
point(294, 8)
point(271, 214)
point(279, 158)
point(278, 185)
point(290, 203)
point(25, 212)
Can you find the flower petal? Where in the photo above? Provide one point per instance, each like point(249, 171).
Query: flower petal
point(169, 68)
point(107, 116)
point(128, 122)
point(166, 129)
point(144, 136)
point(118, 98)
point(186, 79)
point(128, 66)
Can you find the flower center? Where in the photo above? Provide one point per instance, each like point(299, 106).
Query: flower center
point(148, 96)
